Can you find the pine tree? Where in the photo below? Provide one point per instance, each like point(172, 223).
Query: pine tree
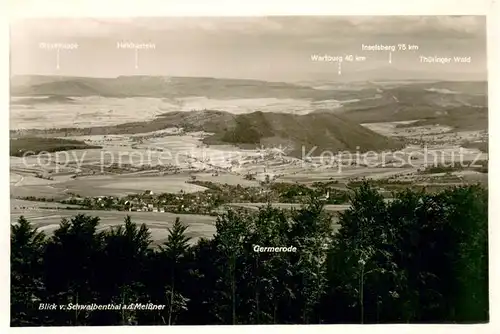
point(175, 249)
point(69, 264)
point(27, 288)
point(230, 240)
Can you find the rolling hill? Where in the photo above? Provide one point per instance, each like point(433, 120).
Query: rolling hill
point(461, 105)
point(324, 131)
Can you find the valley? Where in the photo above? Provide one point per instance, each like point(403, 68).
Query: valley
point(256, 140)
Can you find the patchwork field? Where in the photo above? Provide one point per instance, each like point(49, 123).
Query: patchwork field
point(167, 163)
point(39, 112)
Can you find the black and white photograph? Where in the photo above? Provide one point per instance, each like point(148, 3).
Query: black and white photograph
point(248, 170)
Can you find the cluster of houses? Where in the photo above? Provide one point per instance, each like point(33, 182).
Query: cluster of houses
point(137, 204)
point(205, 202)
point(149, 202)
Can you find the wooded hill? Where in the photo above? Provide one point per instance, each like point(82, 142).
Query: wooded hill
point(325, 131)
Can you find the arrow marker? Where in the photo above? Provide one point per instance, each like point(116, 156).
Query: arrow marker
point(340, 68)
point(57, 58)
point(390, 57)
point(136, 58)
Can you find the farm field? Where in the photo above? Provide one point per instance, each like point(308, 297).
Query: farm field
point(123, 184)
point(158, 223)
point(436, 134)
point(39, 112)
point(48, 220)
point(19, 204)
point(219, 164)
point(114, 185)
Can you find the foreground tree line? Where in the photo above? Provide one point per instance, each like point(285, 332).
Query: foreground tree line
point(419, 258)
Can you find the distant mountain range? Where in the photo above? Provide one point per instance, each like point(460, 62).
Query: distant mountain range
point(175, 87)
point(390, 72)
point(167, 87)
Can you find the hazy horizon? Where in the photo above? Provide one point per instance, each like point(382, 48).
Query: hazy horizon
point(333, 80)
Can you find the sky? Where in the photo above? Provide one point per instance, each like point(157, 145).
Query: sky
point(264, 48)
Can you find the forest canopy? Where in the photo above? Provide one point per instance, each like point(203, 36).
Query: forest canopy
point(421, 258)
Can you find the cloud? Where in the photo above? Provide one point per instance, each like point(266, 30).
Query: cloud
point(291, 26)
point(88, 27)
point(418, 26)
